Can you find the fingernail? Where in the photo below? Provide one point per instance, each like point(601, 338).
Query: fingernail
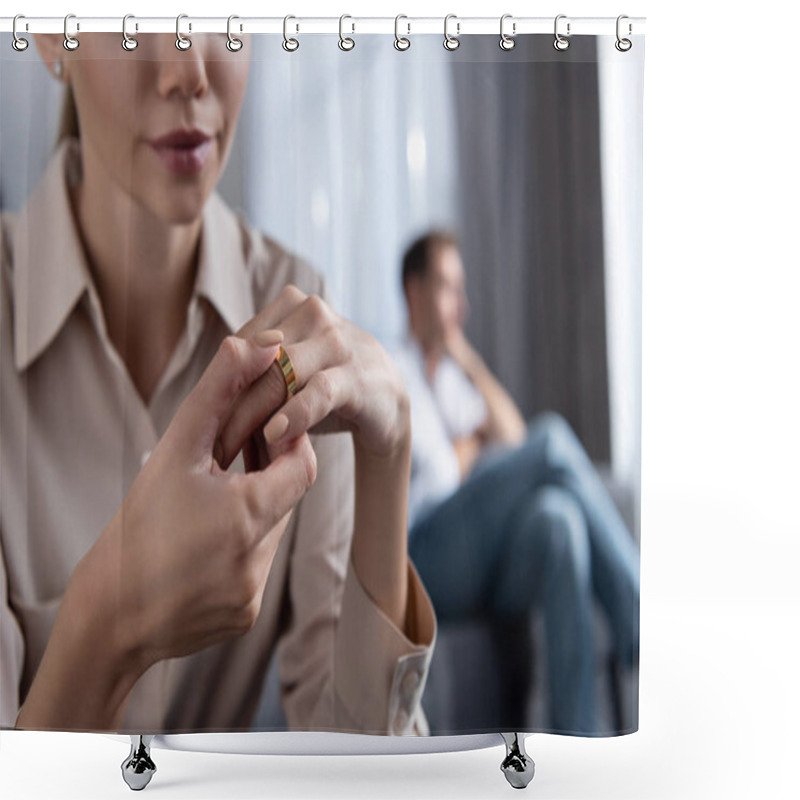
point(268, 338)
point(275, 428)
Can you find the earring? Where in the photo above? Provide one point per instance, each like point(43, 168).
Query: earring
point(58, 69)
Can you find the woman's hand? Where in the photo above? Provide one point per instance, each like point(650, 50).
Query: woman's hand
point(346, 381)
point(184, 563)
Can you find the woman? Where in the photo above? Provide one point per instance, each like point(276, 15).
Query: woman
point(159, 541)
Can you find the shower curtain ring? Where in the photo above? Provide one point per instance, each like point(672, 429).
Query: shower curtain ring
point(18, 43)
point(182, 43)
point(400, 42)
point(561, 42)
point(451, 42)
point(290, 45)
point(128, 42)
point(233, 44)
point(507, 42)
point(623, 45)
point(70, 42)
point(346, 43)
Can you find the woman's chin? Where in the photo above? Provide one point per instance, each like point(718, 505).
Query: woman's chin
point(176, 197)
point(181, 205)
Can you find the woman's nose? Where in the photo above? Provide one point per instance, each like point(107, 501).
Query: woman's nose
point(183, 71)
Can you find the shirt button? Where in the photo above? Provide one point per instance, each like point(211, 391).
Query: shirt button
point(145, 456)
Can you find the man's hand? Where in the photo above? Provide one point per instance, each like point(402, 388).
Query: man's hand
point(505, 423)
point(461, 351)
point(468, 448)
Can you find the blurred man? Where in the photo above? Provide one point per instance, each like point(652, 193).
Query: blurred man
point(504, 516)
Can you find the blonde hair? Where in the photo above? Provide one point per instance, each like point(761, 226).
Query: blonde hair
point(68, 124)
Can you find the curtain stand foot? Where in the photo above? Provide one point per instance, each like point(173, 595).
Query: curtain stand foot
point(138, 768)
point(517, 766)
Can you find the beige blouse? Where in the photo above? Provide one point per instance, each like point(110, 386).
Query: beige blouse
point(74, 432)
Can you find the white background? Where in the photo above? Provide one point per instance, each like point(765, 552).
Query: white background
point(720, 692)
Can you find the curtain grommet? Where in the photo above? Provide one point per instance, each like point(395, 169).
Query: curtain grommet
point(181, 42)
point(401, 43)
point(233, 44)
point(560, 42)
point(70, 42)
point(289, 44)
point(345, 42)
point(18, 43)
point(623, 45)
point(129, 43)
point(451, 42)
point(507, 42)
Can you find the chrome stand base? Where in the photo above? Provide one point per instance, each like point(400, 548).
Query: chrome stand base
point(138, 768)
point(517, 766)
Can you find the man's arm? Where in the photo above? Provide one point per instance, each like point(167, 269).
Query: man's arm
point(504, 422)
point(468, 449)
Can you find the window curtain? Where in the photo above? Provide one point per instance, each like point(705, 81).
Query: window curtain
point(534, 233)
point(365, 146)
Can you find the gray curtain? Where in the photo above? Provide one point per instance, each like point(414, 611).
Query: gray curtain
point(531, 225)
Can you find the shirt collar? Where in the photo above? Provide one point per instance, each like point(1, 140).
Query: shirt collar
point(51, 272)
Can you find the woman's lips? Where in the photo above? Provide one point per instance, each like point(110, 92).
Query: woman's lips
point(184, 160)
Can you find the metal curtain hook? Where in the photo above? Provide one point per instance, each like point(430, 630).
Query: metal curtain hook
point(451, 42)
point(182, 43)
point(70, 42)
point(128, 42)
point(560, 42)
point(623, 45)
point(18, 43)
point(290, 45)
point(400, 42)
point(507, 42)
point(346, 43)
point(233, 44)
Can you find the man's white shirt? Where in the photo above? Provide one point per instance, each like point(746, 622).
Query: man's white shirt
point(447, 408)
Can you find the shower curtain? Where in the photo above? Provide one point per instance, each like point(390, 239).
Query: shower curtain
point(422, 265)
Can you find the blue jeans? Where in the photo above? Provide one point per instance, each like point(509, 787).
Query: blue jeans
point(533, 526)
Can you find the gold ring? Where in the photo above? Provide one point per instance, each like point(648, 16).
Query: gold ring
point(288, 371)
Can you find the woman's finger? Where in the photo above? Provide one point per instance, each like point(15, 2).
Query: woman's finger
point(268, 393)
point(300, 317)
point(234, 367)
point(309, 318)
point(322, 394)
point(250, 411)
point(271, 492)
point(249, 455)
point(261, 448)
